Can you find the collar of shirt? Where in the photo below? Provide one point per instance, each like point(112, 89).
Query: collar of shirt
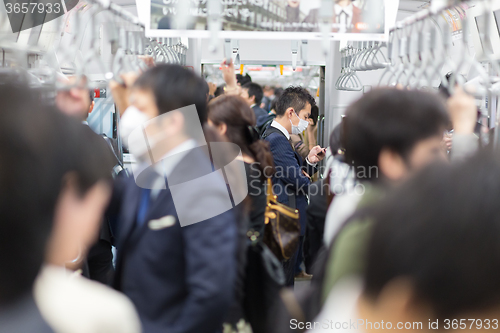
point(169, 162)
point(173, 157)
point(277, 125)
point(251, 106)
point(85, 123)
point(348, 10)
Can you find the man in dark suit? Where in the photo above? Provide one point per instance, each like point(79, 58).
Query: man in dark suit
point(176, 248)
point(252, 93)
point(292, 178)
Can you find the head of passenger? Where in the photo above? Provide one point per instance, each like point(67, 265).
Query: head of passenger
point(313, 119)
point(390, 133)
point(242, 80)
point(252, 93)
point(434, 255)
point(235, 121)
point(268, 91)
point(293, 108)
point(84, 194)
point(37, 150)
point(162, 91)
point(76, 101)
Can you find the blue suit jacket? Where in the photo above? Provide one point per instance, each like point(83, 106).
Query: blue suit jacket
point(180, 279)
point(288, 179)
point(260, 115)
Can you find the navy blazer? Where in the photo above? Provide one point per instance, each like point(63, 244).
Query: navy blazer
point(288, 179)
point(180, 279)
point(260, 115)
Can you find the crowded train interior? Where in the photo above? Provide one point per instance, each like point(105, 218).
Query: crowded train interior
point(249, 166)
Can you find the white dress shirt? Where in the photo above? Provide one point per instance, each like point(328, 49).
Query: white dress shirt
point(168, 163)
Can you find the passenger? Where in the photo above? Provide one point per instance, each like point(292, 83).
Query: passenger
point(389, 135)
point(28, 196)
point(243, 79)
point(272, 113)
point(302, 143)
point(219, 91)
point(69, 302)
point(311, 138)
point(212, 88)
point(447, 214)
point(233, 119)
point(320, 198)
point(61, 198)
point(252, 94)
point(293, 18)
point(268, 98)
point(78, 102)
point(180, 277)
point(292, 177)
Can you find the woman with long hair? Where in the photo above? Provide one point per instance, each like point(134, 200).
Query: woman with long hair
point(235, 121)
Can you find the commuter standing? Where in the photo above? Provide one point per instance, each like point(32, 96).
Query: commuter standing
point(293, 174)
point(78, 103)
point(252, 93)
point(180, 278)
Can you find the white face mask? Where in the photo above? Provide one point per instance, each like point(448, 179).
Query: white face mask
point(131, 119)
point(301, 127)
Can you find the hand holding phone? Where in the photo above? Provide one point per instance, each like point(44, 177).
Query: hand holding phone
point(316, 154)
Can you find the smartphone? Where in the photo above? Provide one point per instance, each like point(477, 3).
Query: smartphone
point(321, 153)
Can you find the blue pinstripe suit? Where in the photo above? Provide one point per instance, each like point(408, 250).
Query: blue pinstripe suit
point(288, 179)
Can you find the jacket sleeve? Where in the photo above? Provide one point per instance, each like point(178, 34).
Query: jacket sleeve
point(209, 248)
point(287, 167)
point(310, 169)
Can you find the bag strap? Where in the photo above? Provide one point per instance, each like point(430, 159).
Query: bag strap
point(270, 194)
point(270, 130)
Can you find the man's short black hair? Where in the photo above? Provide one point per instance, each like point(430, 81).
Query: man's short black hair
point(38, 146)
point(294, 97)
point(442, 231)
point(242, 80)
point(254, 90)
point(175, 87)
point(393, 119)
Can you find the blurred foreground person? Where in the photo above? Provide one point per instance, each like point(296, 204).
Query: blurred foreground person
point(433, 254)
point(78, 102)
point(388, 135)
point(59, 200)
point(176, 246)
point(69, 302)
point(29, 178)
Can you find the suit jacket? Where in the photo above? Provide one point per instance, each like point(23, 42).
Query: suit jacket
point(288, 179)
point(179, 278)
point(260, 115)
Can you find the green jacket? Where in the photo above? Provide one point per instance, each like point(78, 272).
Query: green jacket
point(348, 252)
